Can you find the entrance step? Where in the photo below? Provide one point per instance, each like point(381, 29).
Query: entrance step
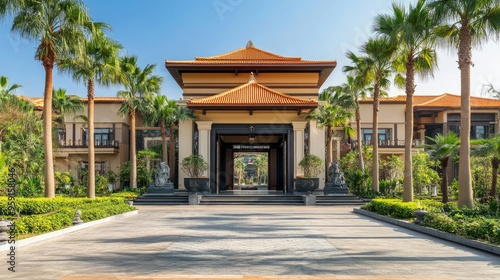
point(251, 200)
point(158, 199)
point(340, 199)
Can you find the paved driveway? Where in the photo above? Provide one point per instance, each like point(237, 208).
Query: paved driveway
point(249, 242)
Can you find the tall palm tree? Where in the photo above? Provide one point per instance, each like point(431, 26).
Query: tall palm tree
point(99, 62)
point(63, 104)
point(442, 148)
point(139, 84)
point(490, 148)
point(466, 24)
point(167, 114)
point(356, 85)
point(411, 31)
point(59, 26)
point(377, 67)
point(335, 113)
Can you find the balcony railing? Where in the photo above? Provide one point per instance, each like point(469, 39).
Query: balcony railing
point(83, 144)
point(389, 143)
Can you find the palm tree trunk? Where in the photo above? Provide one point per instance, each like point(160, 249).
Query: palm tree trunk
point(47, 130)
point(172, 153)
point(164, 142)
point(494, 178)
point(410, 89)
point(329, 137)
point(133, 156)
point(444, 181)
point(90, 117)
point(465, 195)
point(376, 105)
point(358, 135)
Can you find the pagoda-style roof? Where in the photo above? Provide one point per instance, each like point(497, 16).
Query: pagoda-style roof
point(249, 58)
point(251, 95)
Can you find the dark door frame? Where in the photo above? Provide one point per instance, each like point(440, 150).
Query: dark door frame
point(247, 129)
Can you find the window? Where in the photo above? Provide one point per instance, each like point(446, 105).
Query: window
point(102, 136)
point(61, 135)
point(100, 167)
point(384, 136)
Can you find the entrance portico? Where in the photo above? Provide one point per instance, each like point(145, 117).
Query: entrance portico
point(235, 119)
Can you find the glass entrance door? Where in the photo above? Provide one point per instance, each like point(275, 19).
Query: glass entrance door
point(251, 170)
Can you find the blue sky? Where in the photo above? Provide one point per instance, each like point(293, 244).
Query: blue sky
point(156, 30)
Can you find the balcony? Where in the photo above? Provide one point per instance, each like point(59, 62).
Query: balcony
point(97, 144)
point(389, 143)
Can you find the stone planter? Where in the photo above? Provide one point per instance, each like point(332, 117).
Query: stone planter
point(197, 185)
point(306, 185)
point(420, 216)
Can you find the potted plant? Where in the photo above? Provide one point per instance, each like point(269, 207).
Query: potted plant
point(312, 165)
point(111, 180)
point(194, 166)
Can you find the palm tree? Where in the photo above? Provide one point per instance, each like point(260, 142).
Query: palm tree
point(139, 84)
point(335, 113)
point(377, 67)
point(4, 86)
point(356, 86)
point(490, 148)
point(99, 62)
point(63, 104)
point(59, 26)
point(466, 24)
point(411, 31)
point(442, 148)
point(166, 113)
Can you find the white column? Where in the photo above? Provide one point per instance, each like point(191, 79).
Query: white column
point(185, 147)
point(204, 128)
point(317, 147)
point(298, 143)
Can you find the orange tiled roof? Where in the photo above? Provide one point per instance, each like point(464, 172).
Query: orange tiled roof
point(448, 100)
point(248, 55)
point(38, 101)
point(252, 94)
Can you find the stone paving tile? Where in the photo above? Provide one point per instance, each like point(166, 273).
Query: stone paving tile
point(249, 242)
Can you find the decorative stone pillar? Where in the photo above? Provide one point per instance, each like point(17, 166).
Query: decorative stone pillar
point(204, 128)
point(298, 141)
point(317, 147)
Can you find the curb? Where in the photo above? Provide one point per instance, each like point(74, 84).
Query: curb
point(5, 246)
point(433, 232)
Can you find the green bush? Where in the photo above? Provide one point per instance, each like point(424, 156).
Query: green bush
point(39, 215)
point(479, 223)
point(397, 209)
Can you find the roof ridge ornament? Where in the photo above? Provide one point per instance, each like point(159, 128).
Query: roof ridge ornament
point(250, 44)
point(252, 79)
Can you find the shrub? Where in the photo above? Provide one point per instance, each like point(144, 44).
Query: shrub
point(397, 209)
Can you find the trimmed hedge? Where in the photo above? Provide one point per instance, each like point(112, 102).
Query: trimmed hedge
point(395, 208)
point(33, 206)
point(40, 215)
point(480, 223)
